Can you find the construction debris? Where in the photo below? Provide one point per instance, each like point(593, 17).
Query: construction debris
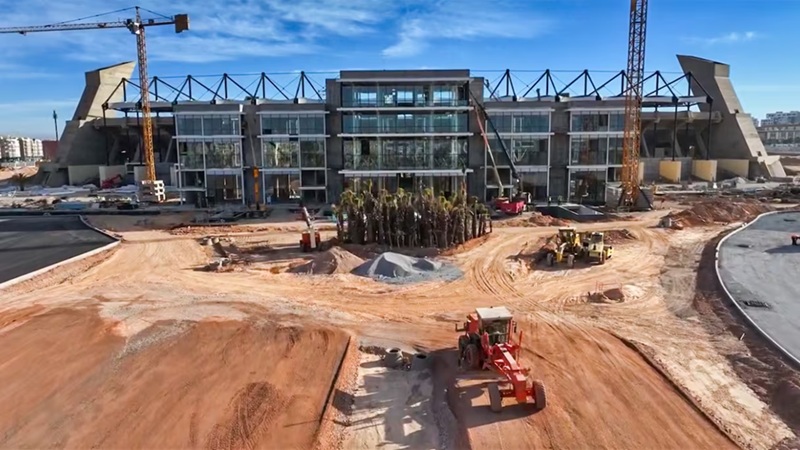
point(395, 267)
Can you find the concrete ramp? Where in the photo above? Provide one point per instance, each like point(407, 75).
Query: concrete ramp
point(735, 137)
point(577, 213)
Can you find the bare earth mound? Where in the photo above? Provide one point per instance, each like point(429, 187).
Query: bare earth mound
point(535, 219)
point(716, 211)
point(334, 260)
point(175, 385)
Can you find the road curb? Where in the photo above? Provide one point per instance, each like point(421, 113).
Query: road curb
point(36, 273)
point(732, 299)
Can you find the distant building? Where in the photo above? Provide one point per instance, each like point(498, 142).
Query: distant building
point(10, 149)
point(782, 118)
point(756, 122)
point(14, 148)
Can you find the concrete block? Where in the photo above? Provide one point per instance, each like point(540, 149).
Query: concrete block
point(139, 174)
point(705, 169)
point(670, 170)
point(79, 175)
point(728, 168)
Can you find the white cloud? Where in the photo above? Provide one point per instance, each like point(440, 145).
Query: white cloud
point(219, 31)
point(727, 38)
point(463, 20)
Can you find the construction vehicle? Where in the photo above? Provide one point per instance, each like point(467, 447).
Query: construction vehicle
point(513, 204)
point(310, 239)
point(595, 248)
point(488, 344)
point(151, 189)
point(568, 247)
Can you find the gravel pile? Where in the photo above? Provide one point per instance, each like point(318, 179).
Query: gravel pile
point(396, 268)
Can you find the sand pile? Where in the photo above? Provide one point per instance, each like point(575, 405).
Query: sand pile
point(401, 268)
point(617, 236)
point(334, 260)
point(719, 211)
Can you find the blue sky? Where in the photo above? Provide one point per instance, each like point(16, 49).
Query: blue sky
point(44, 71)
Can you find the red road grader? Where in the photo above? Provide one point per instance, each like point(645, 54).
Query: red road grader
point(487, 344)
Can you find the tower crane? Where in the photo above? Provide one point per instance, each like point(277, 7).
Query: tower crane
point(136, 26)
point(632, 138)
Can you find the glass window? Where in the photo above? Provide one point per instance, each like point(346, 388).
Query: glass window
point(188, 125)
point(222, 125)
point(502, 122)
point(617, 122)
point(222, 154)
point(531, 123)
point(311, 124)
point(529, 152)
point(615, 150)
point(588, 150)
point(443, 96)
point(191, 154)
point(590, 122)
point(587, 187)
point(312, 153)
point(280, 154)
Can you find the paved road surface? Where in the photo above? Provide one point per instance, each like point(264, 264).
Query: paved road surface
point(759, 263)
point(32, 243)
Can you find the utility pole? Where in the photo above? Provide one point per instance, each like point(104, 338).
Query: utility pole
point(55, 122)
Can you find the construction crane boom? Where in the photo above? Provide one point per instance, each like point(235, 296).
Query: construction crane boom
point(632, 138)
point(136, 26)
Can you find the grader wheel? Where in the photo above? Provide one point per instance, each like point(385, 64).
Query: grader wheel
point(495, 400)
point(540, 394)
point(471, 358)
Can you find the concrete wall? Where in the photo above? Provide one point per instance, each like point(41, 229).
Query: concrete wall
point(79, 175)
point(729, 168)
point(81, 143)
point(670, 170)
point(736, 136)
point(705, 170)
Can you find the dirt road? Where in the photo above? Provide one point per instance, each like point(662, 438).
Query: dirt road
point(603, 392)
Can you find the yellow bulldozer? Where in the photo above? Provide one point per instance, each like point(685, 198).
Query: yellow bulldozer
point(570, 245)
point(595, 248)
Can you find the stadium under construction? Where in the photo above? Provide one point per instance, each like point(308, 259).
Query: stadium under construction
point(408, 129)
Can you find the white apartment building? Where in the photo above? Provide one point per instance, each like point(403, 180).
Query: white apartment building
point(782, 118)
point(13, 148)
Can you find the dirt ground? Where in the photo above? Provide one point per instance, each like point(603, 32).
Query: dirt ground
point(175, 384)
point(641, 369)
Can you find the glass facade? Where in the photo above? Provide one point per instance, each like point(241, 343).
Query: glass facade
point(587, 187)
point(394, 96)
point(405, 123)
point(291, 124)
point(588, 150)
point(218, 153)
point(522, 122)
point(525, 151)
point(405, 154)
point(286, 153)
point(594, 121)
point(535, 183)
point(615, 150)
point(208, 125)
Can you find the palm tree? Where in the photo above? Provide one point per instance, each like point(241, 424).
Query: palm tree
point(21, 180)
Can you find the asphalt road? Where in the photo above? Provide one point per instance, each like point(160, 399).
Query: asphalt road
point(31, 243)
point(760, 263)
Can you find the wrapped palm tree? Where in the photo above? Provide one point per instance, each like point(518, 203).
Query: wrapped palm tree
point(409, 219)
